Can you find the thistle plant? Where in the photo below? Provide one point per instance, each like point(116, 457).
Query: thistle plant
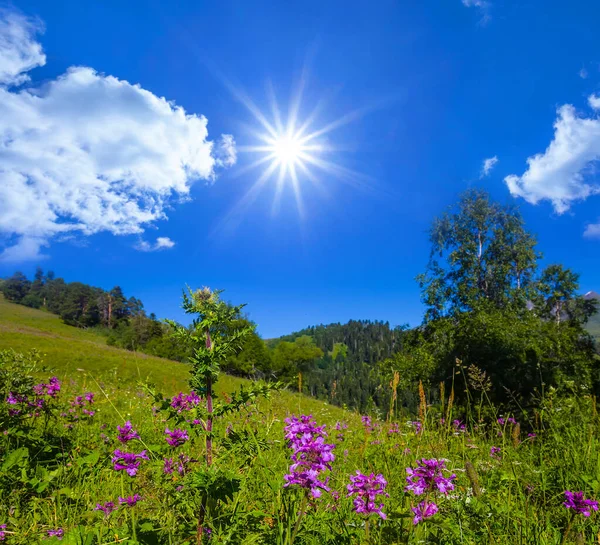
point(216, 334)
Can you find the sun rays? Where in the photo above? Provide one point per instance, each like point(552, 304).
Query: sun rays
point(287, 154)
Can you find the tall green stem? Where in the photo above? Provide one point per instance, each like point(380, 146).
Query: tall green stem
point(299, 520)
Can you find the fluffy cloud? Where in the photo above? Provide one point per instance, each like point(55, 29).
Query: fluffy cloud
point(594, 102)
point(86, 152)
point(162, 243)
point(592, 231)
point(19, 52)
point(483, 6)
point(488, 165)
point(563, 173)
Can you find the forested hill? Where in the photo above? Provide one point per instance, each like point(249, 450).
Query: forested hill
point(366, 341)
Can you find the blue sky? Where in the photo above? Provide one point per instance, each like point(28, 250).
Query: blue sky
point(105, 182)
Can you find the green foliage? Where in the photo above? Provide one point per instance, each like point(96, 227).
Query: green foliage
point(479, 252)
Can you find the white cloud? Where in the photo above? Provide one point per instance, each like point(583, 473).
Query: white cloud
point(592, 230)
point(594, 101)
point(484, 8)
point(488, 165)
point(19, 52)
point(564, 172)
point(86, 152)
point(162, 243)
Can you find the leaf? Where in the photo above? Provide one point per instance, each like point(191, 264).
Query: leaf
point(15, 458)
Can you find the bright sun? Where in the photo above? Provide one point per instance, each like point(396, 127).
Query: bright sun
point(287, 149)
point(291, 152)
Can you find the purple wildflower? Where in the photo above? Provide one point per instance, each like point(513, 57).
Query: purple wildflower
point(367, 489)
point(57, 533)
point(183, 463)
point(89, 397)
point(177, 437)
point(418, 427)
point(394, 428)
point(495, 452)
point(107, 508)
point(182, 402)
point(576, 501)
point(126, 433)
point(2, 532)
point(424, 511)
point(88, 412)
point(428, 477)
point(168, 466)
point(128, 461)
point(130, 500)
point(311, 454)
point(367, 422)
point(458, 425)
point(341, 426)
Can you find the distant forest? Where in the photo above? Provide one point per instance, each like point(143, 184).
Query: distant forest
point(507, 331)
point(336, 362)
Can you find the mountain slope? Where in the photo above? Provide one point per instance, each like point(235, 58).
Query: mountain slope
point(72, 353)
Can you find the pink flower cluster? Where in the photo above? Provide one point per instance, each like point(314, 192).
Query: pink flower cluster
point(311, 454)
point(185, 402)
point(367, 488)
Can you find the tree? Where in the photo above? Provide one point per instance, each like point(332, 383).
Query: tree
point(557, 297)
point(479, 252)
point(16, 287)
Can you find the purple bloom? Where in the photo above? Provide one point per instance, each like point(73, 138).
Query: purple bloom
point(424, 511)
point(130, 500)
point(341, 426)
point(128, 461)
point(576, 501)
point(182, 402)
point(418, 427)
point(168, 466)
point(177, 437)
point(2, 532)
point(89, 397)
point(458, 425)
point(88, 412)
point(428, 477)
point(394, 429)
point(367, 422)
point(495, 452)
point(58, 533)
point(367, 488)
point(78, 402)
point(311, 454)
point(183, 463)
point(126, 433)
point(107, 508)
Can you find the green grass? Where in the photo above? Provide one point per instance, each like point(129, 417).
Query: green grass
point(72, 353)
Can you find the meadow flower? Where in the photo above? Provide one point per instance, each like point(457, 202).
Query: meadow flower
point(182, 402)
point(367, 422)
point(182, 465)
point(458, 425)
point(367, 488)
point(424, 511)
point(417, 426)
point(311, 454)
point(107, 508)
point(576, 501)
point(177, 437)
point(428, 477)
point(126, 433)
point(340, 426)
point(130, 501)
point(168, 466)
point(57, 533)
point(88, 412)
point(495, 452)
point(128, 461)
point(89, 397)
point(395, 428)
point(2, 532)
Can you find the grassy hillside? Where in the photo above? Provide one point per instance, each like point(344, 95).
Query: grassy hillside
point(74, 353)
